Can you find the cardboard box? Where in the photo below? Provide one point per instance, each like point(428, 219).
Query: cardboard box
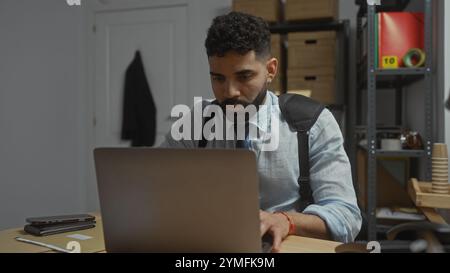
point(269, 10)
point(298, 10)
point(318, 83)
point(392, 179)
point(312, 49)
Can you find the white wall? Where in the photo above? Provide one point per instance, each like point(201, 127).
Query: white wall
point(446, 76)
point(40, 66)
point(348, 10)
point(203, 12)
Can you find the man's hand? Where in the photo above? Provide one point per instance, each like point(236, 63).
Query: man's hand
point(276, 225)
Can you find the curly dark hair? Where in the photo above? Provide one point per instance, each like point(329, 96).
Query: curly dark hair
point(238, 32)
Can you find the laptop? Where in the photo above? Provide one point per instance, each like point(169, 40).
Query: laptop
point(179, 200)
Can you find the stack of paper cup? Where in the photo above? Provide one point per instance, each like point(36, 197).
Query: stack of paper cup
point(440, 169)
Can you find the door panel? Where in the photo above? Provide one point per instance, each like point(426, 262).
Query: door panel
point(160, 35)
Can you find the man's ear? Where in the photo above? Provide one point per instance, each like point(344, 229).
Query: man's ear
point(272, 69)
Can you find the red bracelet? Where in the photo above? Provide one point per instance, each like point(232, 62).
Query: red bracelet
point(292, 228)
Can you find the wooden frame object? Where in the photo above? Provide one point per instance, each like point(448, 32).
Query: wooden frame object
point(428, 202)
point(420, 193)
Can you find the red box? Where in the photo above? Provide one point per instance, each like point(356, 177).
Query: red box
point(398, 33)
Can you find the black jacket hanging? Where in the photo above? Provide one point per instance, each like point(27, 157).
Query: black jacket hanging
point(139, 111)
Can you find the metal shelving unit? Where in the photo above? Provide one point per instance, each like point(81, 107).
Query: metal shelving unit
point(371, 78)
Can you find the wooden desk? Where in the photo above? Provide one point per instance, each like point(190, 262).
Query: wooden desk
point(296, 244)
point(8, 244)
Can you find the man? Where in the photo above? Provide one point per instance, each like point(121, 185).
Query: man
point(241, 67)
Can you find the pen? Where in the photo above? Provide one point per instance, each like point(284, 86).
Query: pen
point(43, 245)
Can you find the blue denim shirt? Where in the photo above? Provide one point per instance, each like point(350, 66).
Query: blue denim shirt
point(330, 171)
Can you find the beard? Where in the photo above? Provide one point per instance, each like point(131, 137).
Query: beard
point(257, 102)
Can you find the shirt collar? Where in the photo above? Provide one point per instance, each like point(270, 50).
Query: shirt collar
point(262, 119)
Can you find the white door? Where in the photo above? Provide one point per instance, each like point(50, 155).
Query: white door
point(160, 35)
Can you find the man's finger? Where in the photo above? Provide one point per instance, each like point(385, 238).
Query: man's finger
point(276, 240)
point(265, 224)
point(263, 214)
point(264, 227)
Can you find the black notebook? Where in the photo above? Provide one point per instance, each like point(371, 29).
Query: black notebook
point(44, 230)
point(48, 225)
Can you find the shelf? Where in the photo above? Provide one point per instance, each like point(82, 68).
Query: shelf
point(283, 28)
point(392, 78)
point(399, 153)
point(401, 72)
point(384, 129)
